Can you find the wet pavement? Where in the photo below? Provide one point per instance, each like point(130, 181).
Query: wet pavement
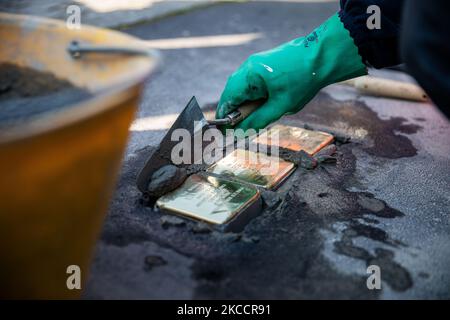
point(384, 202)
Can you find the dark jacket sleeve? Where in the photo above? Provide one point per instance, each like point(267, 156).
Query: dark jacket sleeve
point(378, 48)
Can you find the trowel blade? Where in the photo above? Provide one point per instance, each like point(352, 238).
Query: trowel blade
point(190, 119)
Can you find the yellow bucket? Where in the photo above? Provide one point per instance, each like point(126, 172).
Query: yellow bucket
point(58, 170)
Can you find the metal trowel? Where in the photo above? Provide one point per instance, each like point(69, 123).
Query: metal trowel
point(193, 120)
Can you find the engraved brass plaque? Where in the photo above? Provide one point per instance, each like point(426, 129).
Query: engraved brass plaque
point(296, 139)
point(255, 168)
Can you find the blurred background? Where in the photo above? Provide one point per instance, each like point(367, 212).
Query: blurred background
point(386, 204)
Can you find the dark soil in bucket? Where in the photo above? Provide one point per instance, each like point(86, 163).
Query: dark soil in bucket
point(26, 93)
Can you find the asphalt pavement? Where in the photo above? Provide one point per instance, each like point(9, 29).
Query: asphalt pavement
point(385, 202)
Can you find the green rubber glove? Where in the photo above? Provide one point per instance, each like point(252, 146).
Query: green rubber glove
point(290, 75)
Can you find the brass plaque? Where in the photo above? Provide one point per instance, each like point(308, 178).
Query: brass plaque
point(210, 199)
point(255, 168)
point(296, 139)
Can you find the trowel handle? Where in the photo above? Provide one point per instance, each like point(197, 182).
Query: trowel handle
point(244, 111)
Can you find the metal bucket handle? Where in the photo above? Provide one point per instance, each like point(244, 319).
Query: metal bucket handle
point(77, 50)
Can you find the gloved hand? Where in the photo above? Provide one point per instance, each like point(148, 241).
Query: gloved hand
point(290, 75)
